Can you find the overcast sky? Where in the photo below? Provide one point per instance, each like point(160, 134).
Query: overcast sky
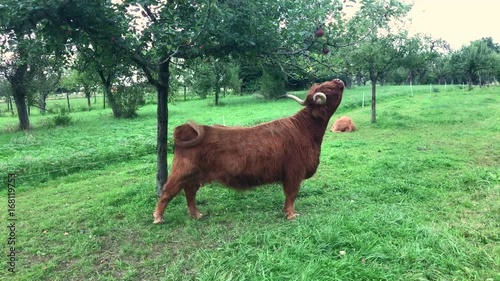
point(457, 21)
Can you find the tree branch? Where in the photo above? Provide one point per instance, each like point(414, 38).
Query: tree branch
point(144, 65)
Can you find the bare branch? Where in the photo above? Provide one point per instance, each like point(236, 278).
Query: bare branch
point(149, 13)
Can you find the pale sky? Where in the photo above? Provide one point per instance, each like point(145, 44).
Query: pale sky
point(457, 21)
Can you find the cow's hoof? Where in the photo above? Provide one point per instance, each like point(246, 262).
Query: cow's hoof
point(291, 216)
point(157, 219)
point(196, 215)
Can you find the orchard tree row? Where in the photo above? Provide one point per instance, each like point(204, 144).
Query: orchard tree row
point(128, 47)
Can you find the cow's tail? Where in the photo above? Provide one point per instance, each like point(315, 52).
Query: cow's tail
point(188, 135)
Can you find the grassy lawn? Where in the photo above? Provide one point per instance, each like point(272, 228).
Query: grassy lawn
point(415, 196)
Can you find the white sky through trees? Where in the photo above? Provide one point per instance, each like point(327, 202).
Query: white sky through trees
point(457, 21)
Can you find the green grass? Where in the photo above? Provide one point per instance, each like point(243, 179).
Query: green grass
point(415, 196)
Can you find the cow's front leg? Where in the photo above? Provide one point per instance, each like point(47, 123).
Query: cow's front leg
point(291, 189)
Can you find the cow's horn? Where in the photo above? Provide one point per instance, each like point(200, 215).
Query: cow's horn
point(297, 99)
point(319, 98)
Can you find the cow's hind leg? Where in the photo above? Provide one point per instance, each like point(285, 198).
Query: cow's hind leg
point(190, 190)
point(291, 189)
point(170, 190)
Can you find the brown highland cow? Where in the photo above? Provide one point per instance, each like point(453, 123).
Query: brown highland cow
point(285, 150)
point(343, 124)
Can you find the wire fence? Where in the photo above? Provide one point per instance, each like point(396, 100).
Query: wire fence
point(23, 173)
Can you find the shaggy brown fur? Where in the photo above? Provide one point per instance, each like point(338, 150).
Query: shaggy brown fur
point(343, 124)
point(285, 150)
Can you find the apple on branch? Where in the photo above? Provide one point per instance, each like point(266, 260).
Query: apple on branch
point(319, 32)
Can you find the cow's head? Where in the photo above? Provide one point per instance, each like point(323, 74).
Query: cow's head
point(322, 99)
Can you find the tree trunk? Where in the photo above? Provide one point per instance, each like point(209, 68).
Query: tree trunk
point(106, 82)
point(88, 94)
point(469, 80)
point(162, 129)
point(217, 88)
point(43, 103)
point(18, 83)
point(112, 102)
point(19, 93)
point(67, 99)
point(95, 97)
point(409, 78)
point(11, 107)
point(374, 86)
point(359, 79)
point(185, 93)
point(217, 93)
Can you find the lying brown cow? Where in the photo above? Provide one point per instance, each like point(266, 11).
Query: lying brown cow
point(285, 150)
point(343, 124)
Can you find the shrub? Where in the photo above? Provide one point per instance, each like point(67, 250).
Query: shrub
point(84, 108)
point(272, 84)
point(150, 97)
point(203, 83)
point(62, 118)
point(126, 100)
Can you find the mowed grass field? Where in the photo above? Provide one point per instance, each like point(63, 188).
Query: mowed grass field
point(415, 196)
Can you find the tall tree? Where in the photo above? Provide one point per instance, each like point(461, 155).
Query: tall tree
point(378, 49)
point(473, 59)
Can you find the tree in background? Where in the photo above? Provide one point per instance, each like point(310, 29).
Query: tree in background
point(378, 55)
point(441, 68)
point(47, 78)
point(493, 73)
point(203, 78)
point(17, 68)
point(378, 49)
point(474, 60)
point(211, 75)
point(26, 38)
point(6, 93)
point(87, 81)
point(230, 78)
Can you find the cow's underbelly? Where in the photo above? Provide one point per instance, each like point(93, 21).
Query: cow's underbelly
point(243, 181)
